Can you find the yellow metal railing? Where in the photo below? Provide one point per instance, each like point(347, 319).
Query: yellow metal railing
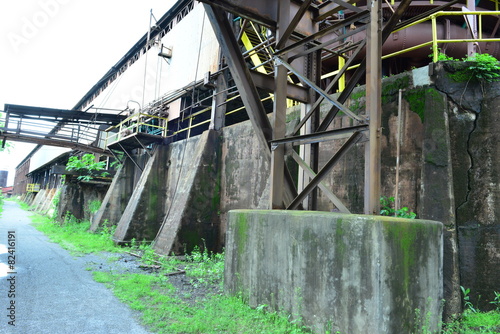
point(435, 41)
point(479, 14)
point(32, 187)
point(139, 122)
point(254, 54)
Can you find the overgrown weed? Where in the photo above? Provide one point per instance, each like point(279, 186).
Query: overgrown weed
point(204, 267)
point(164, 312)
point(74, 235)
point(472, 320)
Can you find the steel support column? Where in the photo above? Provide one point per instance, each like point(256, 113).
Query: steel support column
point(241, 76)
point(279, 114)
point(374, 106)
point(248, 91)
point(217, 118)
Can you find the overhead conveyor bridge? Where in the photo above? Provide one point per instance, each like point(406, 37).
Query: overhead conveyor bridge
point(75, 129)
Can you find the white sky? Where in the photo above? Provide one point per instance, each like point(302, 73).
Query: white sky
point(53, 51)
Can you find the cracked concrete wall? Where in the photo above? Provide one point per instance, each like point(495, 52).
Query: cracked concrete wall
point(475, 133)
point(437, 201)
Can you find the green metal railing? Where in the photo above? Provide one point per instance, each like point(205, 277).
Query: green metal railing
point(137, 123)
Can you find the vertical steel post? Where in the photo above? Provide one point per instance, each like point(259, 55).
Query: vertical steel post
point(217, 117)
point(279, 114)
point(472, 22)
point(374, 107)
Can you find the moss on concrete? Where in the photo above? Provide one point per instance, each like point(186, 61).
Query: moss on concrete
point(241, 232)
point(416, 99)
point(391, 87)
point(322, 266)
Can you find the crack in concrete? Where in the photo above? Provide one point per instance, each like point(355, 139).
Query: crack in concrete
point(471, 167)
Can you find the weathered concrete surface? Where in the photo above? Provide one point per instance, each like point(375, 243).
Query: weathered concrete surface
point(48, 204)
point(347, 178)
point(143, 215)
point(346, 273)
point(117, 197)
point(244, 172)
point(75, 198)
point(437, 187)
point(193, 195)
point(475, 132)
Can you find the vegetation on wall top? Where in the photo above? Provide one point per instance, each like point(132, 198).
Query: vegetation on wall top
point(480, 67)
point(87, 166)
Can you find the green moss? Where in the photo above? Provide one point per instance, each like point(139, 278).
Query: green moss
point(416, 99)
point(391, 87)
point(402, 235)
point(241, 232)
point(359, 94)
point(340, 246)
point(293, 114)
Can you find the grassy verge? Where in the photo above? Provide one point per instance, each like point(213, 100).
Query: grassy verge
point(165, 312)
point(74, 236)
point(477, 323)
point(165, 308)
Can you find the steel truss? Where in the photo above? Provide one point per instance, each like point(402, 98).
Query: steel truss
point(304, 35)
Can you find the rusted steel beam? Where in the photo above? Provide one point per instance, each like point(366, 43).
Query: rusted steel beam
point(328, 193)
point(261, 11)
point(241, 75)
point(357, 17)
point(279, 114)
point(266, 82)
point(319, 90)
point(293, 24)
point(248, 92)
point(54, 142)
point(325, 44)
point(426, 14)
point(360, 71)
point(318, 102)
point(331, 9)
point(319, 137)
point(374, 107)
point(325, 170)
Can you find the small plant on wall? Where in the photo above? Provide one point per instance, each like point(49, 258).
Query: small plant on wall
point(87, 166)
point(480, 67)
point(386, 204)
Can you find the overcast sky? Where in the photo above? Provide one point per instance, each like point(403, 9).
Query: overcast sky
point(53, 51)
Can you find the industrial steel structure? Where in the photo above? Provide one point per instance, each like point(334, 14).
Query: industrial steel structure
point(280, 53)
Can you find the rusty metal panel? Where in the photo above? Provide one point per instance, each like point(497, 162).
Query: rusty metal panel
point(261, 11)
point(266, 12)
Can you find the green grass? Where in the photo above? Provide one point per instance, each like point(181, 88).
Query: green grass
point(74, 236)
point(164, 312)
point(475, 323)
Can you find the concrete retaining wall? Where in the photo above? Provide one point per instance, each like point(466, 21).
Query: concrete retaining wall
point(193, 195)
point(75, 198)
point(347, 273)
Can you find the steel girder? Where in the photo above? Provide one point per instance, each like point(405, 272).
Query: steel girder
point(296, 29)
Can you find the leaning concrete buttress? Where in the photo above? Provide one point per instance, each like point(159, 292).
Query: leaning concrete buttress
point(117, 197)
point(144, 212)
point(338, 272)
point(194, 197)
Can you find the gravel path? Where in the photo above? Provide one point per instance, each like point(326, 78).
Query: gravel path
point(52, 291)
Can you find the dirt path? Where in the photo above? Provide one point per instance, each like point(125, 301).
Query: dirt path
point(51, 292)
